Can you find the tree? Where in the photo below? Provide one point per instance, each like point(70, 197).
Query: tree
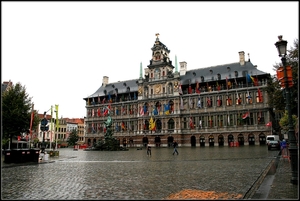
point(73, 138)
point(284, 122)
point(16, 113)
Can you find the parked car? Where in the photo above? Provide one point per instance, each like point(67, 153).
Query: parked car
point(273, 144)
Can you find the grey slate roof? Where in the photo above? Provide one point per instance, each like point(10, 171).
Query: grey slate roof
point(193, 75)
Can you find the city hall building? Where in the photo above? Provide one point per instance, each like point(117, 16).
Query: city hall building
point(224, 105)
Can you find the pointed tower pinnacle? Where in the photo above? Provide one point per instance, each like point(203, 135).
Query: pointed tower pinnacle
point(176, 69)
point(141, 72)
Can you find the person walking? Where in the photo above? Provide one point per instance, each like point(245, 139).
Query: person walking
point(148, 150)
point(175, 144)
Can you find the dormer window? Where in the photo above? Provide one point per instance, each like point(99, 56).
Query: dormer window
point(104, 92)
point(128, 89)
point(236, 74)
point(194, 74)
point(124, 84)
point(211, 71)
point(219, 76)
point(228, 68)
point(113, 86)
point(202, 79)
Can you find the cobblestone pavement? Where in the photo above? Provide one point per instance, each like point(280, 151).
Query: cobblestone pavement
point(124, 175)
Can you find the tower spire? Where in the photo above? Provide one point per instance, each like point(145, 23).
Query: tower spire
point(141, 72)
point(176, 69)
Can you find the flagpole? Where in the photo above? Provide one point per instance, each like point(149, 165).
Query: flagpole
point(31, 120)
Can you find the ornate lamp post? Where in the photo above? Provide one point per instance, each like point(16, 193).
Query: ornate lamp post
point(293, 149)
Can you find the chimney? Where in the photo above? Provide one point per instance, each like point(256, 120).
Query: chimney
point(104, 81)
point(183, 67)
point(242, 58)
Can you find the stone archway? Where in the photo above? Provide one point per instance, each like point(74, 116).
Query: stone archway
point(211, 140)
point(251, 139)
point(230, 139)
point(202, 141)
point(170, 141)
point(145, 141)
point(241, 139)
point(193, 141)
point(262, 139)
point(221, 140)
point(157, 141)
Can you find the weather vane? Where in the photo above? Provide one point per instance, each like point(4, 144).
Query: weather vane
point(157, 35)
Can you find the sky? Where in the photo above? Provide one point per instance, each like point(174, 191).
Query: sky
point(60, 51)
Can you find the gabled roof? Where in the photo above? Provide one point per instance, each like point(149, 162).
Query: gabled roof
point(209, 74)
point(122, 87)
point(225, 70)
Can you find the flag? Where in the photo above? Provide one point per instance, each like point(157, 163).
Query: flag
point(123, 126)
point(199, 103)
point(208, 102)
point(250, 78)
point(235, 82)
point(259, 95)
point(155, 112)
point(181, 103)
point(145, 109)
point(180, 89)
point(197, 88)
point(109, 98)
point(245, 115)
point(269, 124)
point(191, 123)
point(219, 101)
point(151, 124)
point(190, 89)
point(31, 120)
point(218, 86)
point(103, 101)
point(227, 83)
point(191, 102)
point(167, 108)
point(99, 112)
point(57, 121)
point(141, 111)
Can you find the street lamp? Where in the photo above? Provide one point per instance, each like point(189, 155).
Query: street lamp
point(293, 149)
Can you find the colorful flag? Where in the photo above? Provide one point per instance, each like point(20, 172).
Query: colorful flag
point(57, 121)
point(99, 112)
point(145, 109)
point(259, 95)
point(151, 124)
point(250, 78)
point(197, 88)
point(141, 111)
point(123, 126)
point(218, 86)
point(181, 103)
point(191, 123)
point(190, 89)
point(180, 89)
point(245, 115)
point(227, 83)
point(199, 103)
point(269, 124)
point(167, 108)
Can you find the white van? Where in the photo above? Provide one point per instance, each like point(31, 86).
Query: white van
point(272, 137)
